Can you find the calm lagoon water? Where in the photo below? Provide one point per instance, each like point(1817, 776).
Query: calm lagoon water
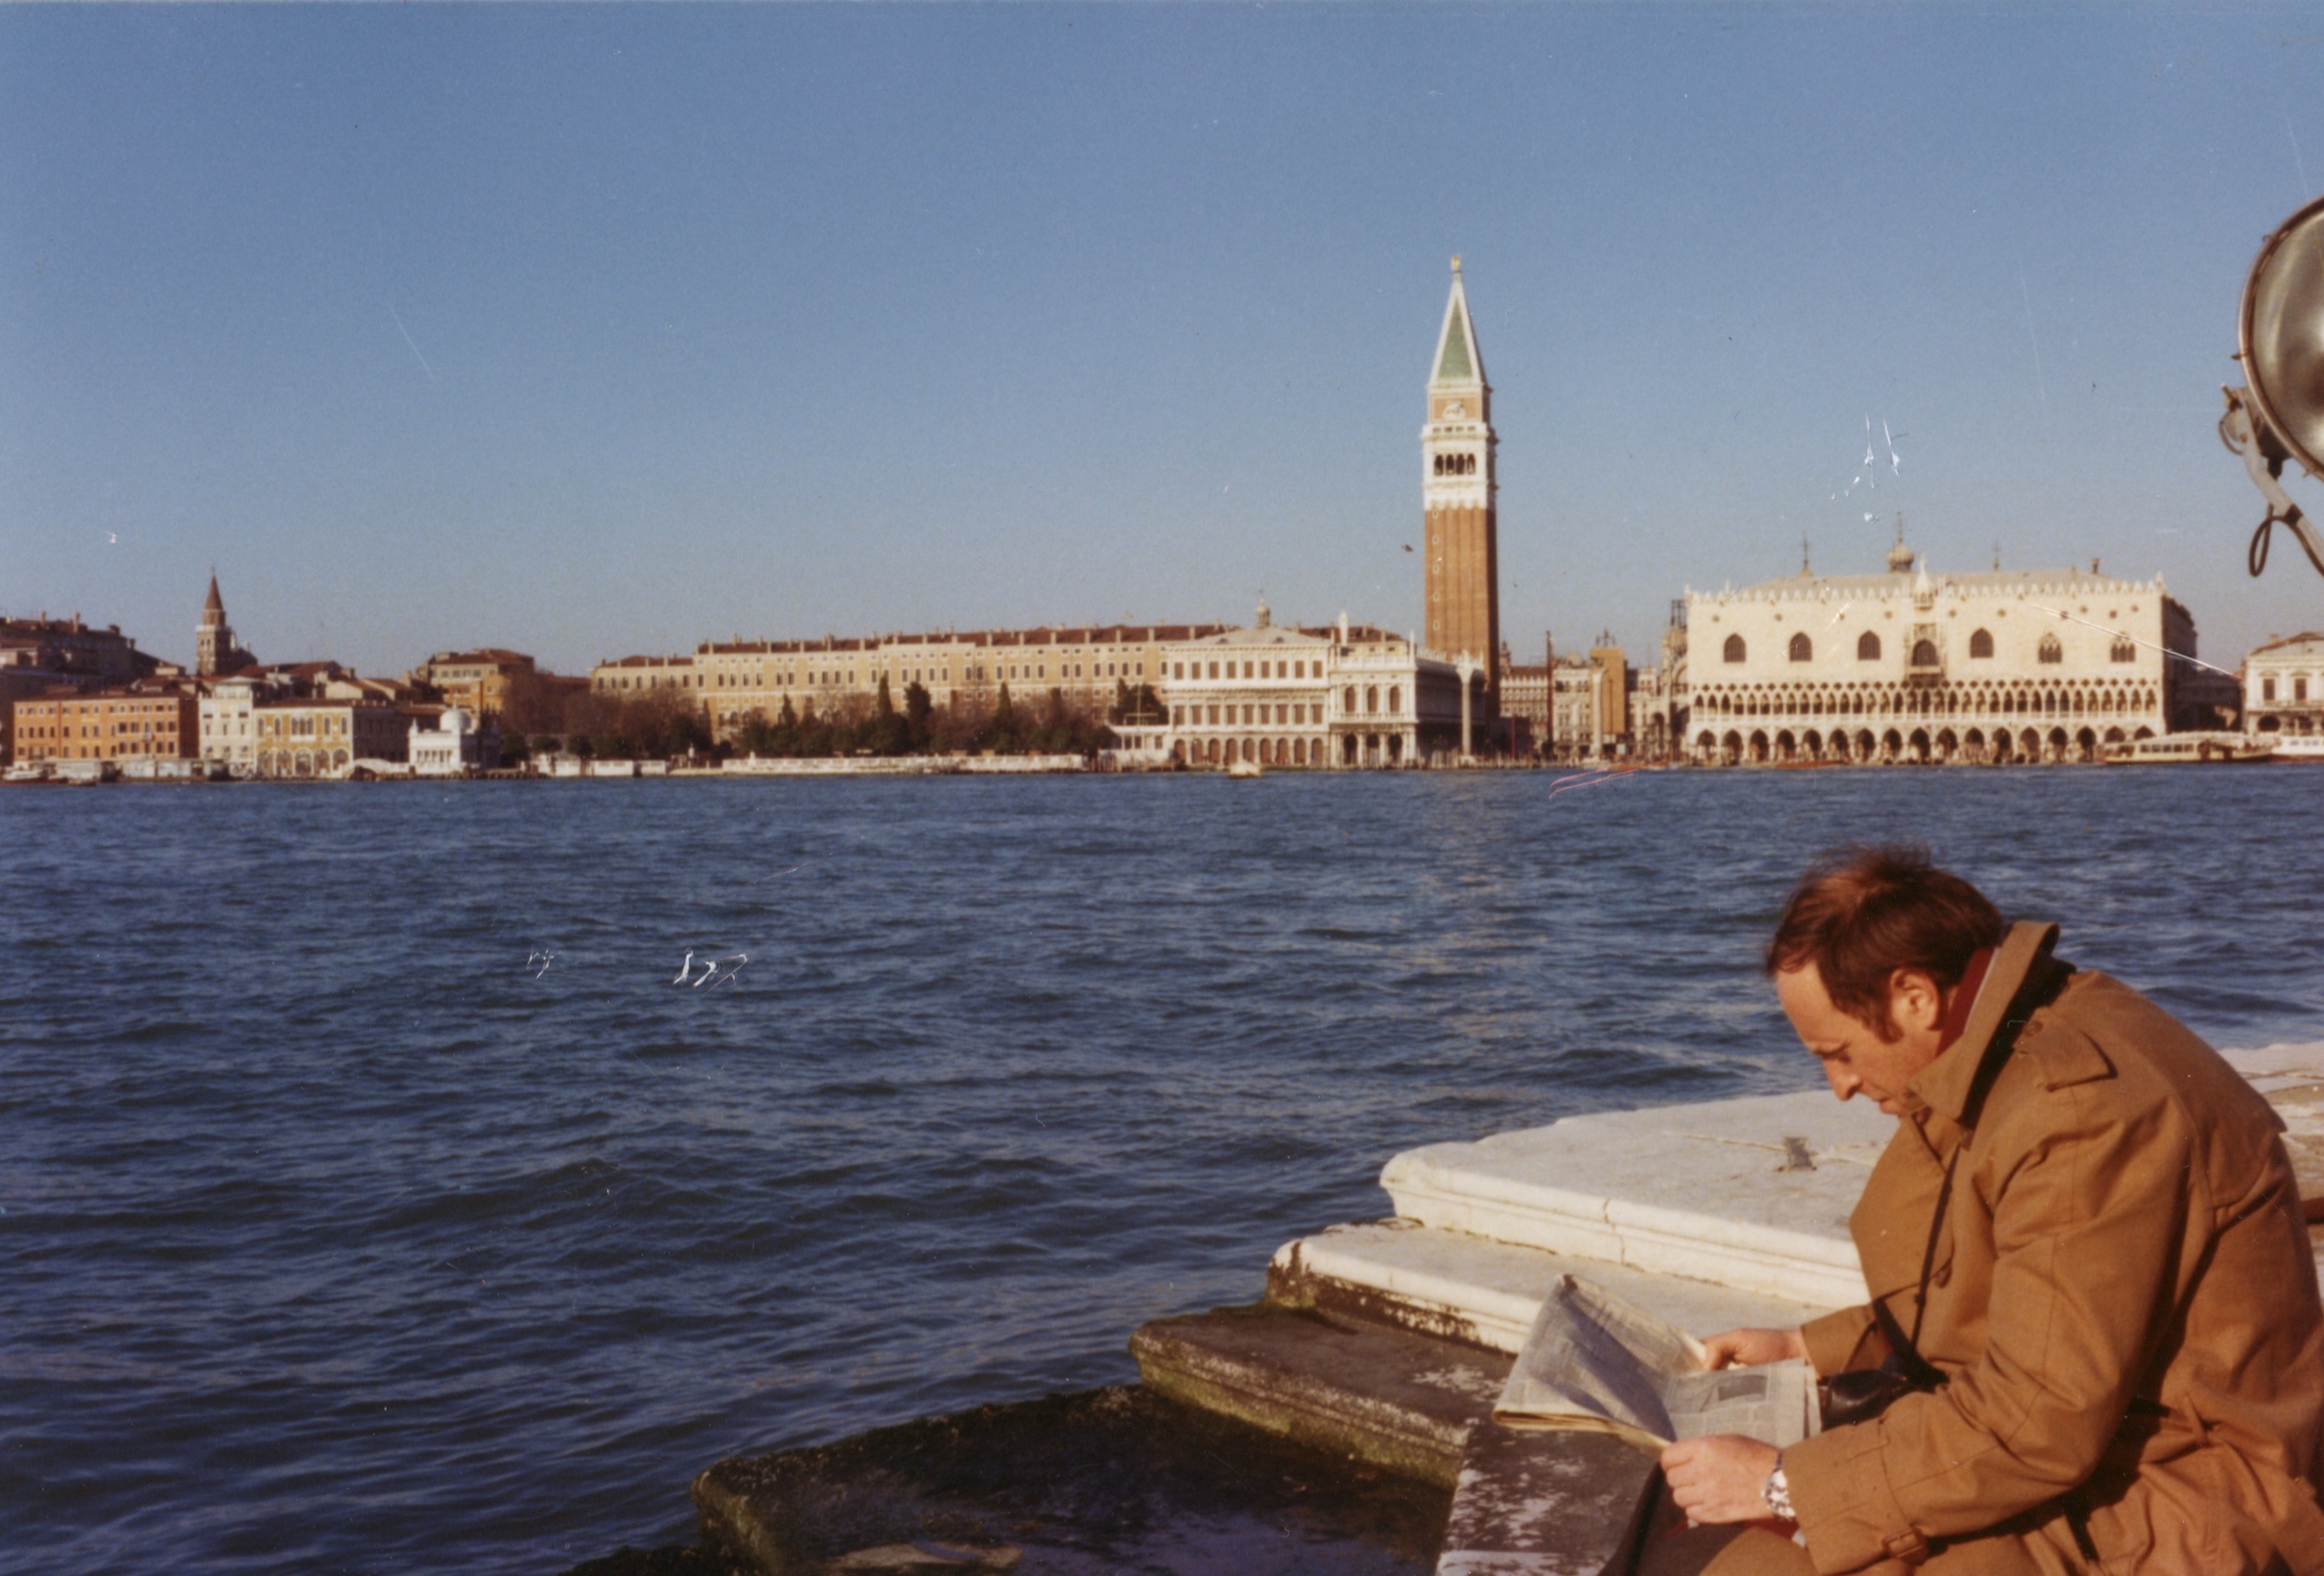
point(379, 1198)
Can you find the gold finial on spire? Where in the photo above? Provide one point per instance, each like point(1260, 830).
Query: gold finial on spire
point(1455, 265)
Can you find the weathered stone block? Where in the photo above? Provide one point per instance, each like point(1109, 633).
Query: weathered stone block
point(1531, 1502)
point(1105, 1481)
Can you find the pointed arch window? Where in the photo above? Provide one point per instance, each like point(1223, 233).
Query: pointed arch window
point(1981, 643)
point(2052, 651)
point(2124, 650)
point(1924, 654)
point(1733, 651)
point(1867, 647)
point(1803, 649)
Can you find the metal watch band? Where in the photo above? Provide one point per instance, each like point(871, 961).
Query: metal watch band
point(1776, 1492)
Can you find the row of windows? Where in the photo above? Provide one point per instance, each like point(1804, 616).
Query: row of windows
point(95, 729)
point(1456, 465)
point(1289, 712)
point(970, 675)
point(1291, 752)
point(1883, 686)
point(2299, 687)
point(1266, 668)
point(1924, 652)
point(1252, 716)
point(1927, 702)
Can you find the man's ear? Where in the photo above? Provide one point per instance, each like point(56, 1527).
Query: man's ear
point(1915, 1004)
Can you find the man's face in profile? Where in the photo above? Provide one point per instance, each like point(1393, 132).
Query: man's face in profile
point(1855, 1057)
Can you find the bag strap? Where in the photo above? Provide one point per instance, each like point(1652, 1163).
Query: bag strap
point(2044, 978)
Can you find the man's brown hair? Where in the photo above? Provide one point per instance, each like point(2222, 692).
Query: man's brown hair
point(1860, 914)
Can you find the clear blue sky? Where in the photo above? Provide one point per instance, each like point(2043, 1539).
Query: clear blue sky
point(610, 329)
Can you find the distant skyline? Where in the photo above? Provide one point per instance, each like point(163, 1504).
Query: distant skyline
point(607, 329)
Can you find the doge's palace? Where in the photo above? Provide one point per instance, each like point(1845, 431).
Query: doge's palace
point(1913, 666)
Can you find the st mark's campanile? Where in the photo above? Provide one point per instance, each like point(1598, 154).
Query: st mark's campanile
point(1458, 491)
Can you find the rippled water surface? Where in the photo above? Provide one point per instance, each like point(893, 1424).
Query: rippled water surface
point(376, 1199)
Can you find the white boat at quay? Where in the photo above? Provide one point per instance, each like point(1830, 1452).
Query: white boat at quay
point(2203, 749)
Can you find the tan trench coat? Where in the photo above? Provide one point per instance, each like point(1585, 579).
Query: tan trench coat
point(2124, 1303)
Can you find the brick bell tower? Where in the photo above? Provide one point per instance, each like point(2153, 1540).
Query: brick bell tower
point(1458, 492)
point(214, 639)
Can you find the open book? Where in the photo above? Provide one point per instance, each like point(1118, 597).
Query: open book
point(1596, 1362)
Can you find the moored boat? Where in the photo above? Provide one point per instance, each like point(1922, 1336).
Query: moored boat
point(2200, 748)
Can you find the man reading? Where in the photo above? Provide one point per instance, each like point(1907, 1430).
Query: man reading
point(2093, 1289)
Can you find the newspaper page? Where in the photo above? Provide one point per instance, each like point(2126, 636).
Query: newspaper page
point(1596, 1362)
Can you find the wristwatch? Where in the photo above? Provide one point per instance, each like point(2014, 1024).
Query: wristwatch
point(1776, 1492)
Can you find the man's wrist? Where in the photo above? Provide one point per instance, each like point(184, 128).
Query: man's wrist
point(1776, 1492)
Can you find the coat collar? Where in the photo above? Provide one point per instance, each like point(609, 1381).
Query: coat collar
point(1943, 1087)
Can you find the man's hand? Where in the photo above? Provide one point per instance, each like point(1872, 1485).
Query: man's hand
point(1717, 1479)
point(1747, 1348)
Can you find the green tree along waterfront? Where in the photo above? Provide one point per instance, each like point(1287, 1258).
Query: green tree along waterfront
point(922, 728)
point(660, 724)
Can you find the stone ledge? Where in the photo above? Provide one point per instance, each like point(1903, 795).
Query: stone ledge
point(1525, 1502)
point(1713, 1192)
point(1458, 1286)
point(1388, 1397)
point(1092, 1484)
point(1536, 1503)
point(1631, 1188)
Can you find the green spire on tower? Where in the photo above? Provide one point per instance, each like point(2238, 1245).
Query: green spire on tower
point(1452, 363)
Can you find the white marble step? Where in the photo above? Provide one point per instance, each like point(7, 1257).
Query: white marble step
point(1715, 1192)
point(1700, 1192)
point(1471, 1289)
point(2293, 1079)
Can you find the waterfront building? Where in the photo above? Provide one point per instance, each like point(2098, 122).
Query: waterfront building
point(214, 650)
point(76, 651)
point(2283, 686)
point(144, 721)
point(1574, 695)
point(450, 742)
point(1610, 670)
point(1279, 697)
point(1909, 665)
point(731, 682)
point(1459, 499)
point(43, 654)
point(480, 682)
point(227, 710)
point(347, 685)
point(1589, 702)
point(1658, 702)
point(629, 678)
point(316, 736)
point(1526, 700)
